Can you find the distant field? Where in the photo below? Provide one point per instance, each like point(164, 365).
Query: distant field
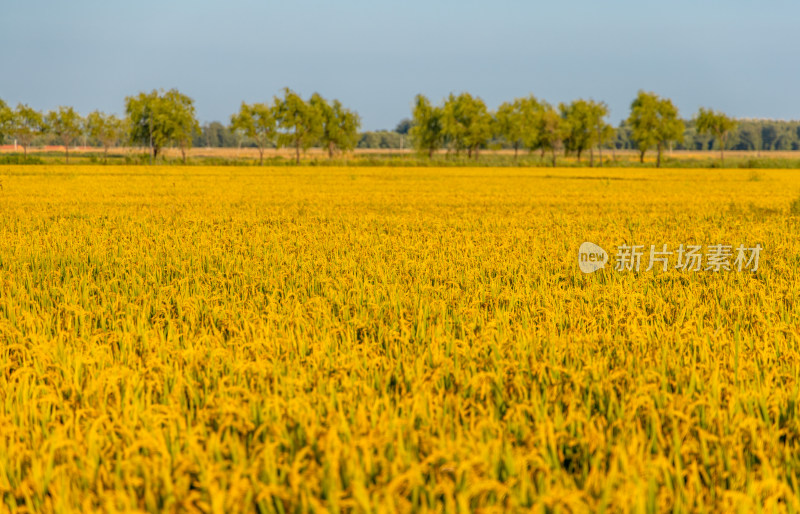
point(316, 153)
point(341, 339)
point(251, 153)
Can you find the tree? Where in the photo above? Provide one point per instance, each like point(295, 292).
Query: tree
point(182, 123)
point(257, 121)
point(339, 125)
point(602, 131)
point(654, 122)
point(750, 136)
point(216, 135)
point(623, 139)
point(769, 136)
point(478, 123)
point(146, 121)
point(509, 124)
point(644, 122)
point(454, 129)
point(299, 122)
point(66, 124)
point(516, 123)
point(158, 119)
point(717, 124)
point(467, 123)
point(551, 130)
point(105, 128)
point(427, 132)
point(579, 126)
point(24, 125)
point(531, 111)
point(5, 119)
point(404, 126)
point(380, 139)
point(585, 126)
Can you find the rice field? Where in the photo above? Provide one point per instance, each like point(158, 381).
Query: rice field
point(311, 339)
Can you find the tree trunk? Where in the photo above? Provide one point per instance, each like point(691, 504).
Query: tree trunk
point(25, 152)
point(641, 156)
point(260, 156)
point(658, 157)
point(66, 152)
point(600, 154)
point(722, 148)
point(105, 155)
point(591, 157)
point(554, 157)
point(430, 153)
point(297, 152)
point(516, 150)
point(469, 153)
point(330, 149)
point(578, 151)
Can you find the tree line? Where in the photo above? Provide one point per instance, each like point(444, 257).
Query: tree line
point(748, 135)
point(161, 119)
point(460, 124)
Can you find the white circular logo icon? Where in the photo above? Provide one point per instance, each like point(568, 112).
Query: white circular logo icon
point(591, 257)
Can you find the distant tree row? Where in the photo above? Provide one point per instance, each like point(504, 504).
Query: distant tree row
point(24, 124)
point(460, 124)
point(154, 119)
point(464, 123)
point(160, 119)
point(751, 135)
point(295, 123)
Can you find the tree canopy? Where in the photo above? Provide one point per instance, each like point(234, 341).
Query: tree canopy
point(299, 122)
point(5, 119)
point(552, 130)
point(654, 122)
point(427, 132)
point(257, 122)
point(584, 125)
point(66, 125)
point(467, 123)
point(24, 124)
point(160, 118)
point(404, 126)
point(105, 128)
point(717, 124)
point(339, 130)
point(516, 123)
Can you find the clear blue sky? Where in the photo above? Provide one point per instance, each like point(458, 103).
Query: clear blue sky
point(735, 55)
